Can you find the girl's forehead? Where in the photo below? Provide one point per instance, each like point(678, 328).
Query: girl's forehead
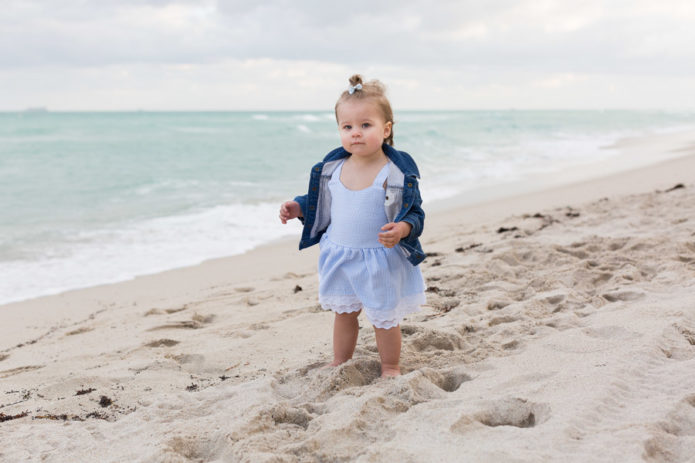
point(359, 108)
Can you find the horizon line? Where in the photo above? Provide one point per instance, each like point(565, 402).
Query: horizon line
point(46, 110)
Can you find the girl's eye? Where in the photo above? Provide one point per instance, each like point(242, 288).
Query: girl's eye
point(347, 127)
point(365, 125)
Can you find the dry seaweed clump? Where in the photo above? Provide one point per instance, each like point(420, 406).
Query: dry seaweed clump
point(105, 401)
point(85, 391)
point(4, 417)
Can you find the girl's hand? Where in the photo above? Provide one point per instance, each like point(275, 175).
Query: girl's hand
point(289, 210)
point(393, 233)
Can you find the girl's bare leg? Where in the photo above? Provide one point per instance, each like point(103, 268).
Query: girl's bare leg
point(345, 331)
point(389, 344)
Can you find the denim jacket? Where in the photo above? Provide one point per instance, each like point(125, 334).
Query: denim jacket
point(402, 203)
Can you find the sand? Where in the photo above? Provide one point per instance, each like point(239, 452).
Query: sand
point(560, 325)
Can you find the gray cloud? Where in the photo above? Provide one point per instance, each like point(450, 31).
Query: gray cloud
point(556, 36)
point(479, 51)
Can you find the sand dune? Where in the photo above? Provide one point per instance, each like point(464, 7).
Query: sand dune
point(562, 333)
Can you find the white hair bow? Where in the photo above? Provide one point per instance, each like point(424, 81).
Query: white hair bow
point(352, 88)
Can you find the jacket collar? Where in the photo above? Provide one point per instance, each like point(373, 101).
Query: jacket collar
point(402, 159)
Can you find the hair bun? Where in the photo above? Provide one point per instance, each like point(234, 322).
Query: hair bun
point(355, 79)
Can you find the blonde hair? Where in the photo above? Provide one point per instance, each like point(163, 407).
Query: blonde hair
point(374, 90)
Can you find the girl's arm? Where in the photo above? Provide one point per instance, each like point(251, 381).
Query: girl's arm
point(302, 200)
point(415, 217)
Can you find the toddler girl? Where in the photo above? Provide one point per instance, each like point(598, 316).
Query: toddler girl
point(363, 207)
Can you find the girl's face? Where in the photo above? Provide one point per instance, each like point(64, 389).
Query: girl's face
point(362, 128)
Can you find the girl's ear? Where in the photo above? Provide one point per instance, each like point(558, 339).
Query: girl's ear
point(387, 129)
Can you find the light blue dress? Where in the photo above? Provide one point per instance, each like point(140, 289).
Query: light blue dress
point(355, 270)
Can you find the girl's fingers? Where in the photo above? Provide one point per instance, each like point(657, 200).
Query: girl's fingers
point(284, 213)
point(388, 238)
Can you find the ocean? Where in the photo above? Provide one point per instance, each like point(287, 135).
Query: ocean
point(92, 198)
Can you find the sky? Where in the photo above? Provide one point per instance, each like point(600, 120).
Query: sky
point(298, 55)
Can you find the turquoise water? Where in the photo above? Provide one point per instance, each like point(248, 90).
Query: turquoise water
point(89, 198)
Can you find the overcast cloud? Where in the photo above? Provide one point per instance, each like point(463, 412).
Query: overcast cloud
point(227, 54)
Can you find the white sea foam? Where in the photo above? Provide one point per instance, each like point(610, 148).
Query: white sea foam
point(471, 169)
point(308, 117)
point(155, 245)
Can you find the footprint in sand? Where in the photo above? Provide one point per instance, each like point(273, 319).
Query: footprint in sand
point(156, 311)
point(496, 304)
point(3, 357)
point(424, 339)
point(678, 343)
point(441, 291)
point(185, 359)
point(623, 296)
point(578, 253)
point(422, 385)
point(244, 289)
point(445, 304)
point(176, 310)
point(358, 372)
point(197, 321)
point(618, 244)
point(520, 413)
point(290, 276)
point(502, 320)
point(672, 439)
point(689, 335)
point(641, 245)
point(559, 303)
point(324, 382)
point(449, 380)
point(162, 343)
point(555, 299)
point(190, 448)
point(283, 414)
point(600, 278)
point(511, 345)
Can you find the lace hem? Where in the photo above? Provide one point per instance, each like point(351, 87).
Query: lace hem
point(340, 304)
point(384, 319)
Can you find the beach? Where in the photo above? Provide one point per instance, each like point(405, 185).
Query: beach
point(560, 325)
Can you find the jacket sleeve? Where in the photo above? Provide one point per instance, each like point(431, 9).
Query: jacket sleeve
point(415, 215)
point(302, 200)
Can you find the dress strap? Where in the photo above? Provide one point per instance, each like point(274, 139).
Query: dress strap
point(336, 172)
point(382, 176)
